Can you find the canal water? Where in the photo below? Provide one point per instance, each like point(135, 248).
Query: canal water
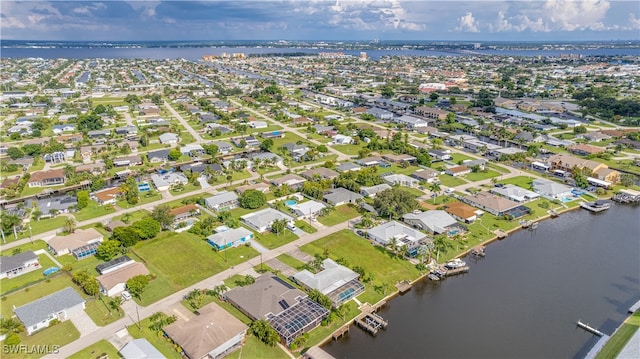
point(523, 299)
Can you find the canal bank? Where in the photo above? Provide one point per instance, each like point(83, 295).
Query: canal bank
point(521, 277)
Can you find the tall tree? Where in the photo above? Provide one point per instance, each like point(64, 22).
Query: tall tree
point(162, 214)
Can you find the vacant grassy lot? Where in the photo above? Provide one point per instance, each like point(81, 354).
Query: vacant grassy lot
point(94, 350)
point(620, 338)
point(93, 210)
point(458, 157)
point(182, 259)
point(359, 252)
point(348, 149)
point(339, 215)
point(100, 312)
point(305, 226)
point(520, 181)
point(450, 181)
point(291, 262)
point(481, 175)
point(272, 240)
point(40, 226)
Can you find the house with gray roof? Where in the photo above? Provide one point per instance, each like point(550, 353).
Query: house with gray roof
point(338, 196)
point(373, 190)
point(230, 238)
point(21, 263)
point(347, 166)
point(165, 181)
point(222, 201)
point(435, 221)
point(307, 209)
point(514, 193)
point(336, 281)
point(224, 147)
point(140, 349)
point(261, 220)
point(404, 235)
point(551, 190)
point(158, 156)
point(169, 138)
point(60, 305)
point(400, 180)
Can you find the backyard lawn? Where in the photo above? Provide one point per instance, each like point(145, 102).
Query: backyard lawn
point(58, 335)
point(254, 348)
point(95, 350)
point(373, 259)
point(9, 284)
point(37, 291)
point(40, 226)
point(339, 215)
point(93, 210)
point(321, 332)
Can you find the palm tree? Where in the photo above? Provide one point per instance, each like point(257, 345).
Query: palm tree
point(70, 225)
point(435, 188)
point(441, 243)
point(115, 303)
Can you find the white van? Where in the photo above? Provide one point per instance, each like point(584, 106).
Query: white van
point(126, 295)
point(292, 227)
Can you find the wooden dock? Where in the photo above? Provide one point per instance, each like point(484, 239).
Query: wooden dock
point(341, 332)
point(403, 286)
point(500, 234)
point(370, 321)
point(478, 251)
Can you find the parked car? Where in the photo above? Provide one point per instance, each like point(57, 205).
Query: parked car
point(126, 295)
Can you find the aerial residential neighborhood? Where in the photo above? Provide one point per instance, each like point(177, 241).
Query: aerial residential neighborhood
point(177, 208)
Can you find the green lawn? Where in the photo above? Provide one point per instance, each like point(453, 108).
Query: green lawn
point(339, 215)
point(348, 149)
point(305, 226)
point(621, 337)
point(254, 348)
point(38, 244)
point(95, 350)
point(100, 312)
point(135, 215)
point(40, 226)
point(450, 181)
point(29, 191)
point(457, 157)
point(161, 343)
point(291, 262)
point(398, 169)
point(321, 332)
point(58, 335)
point(497, 168)
point(93, 210)
point(9, 284)
point(272, 240)
point(481, 175)
point(34, 292)
point(374, 259)
point(520, 181)
point(189, 187)
point(182, 259)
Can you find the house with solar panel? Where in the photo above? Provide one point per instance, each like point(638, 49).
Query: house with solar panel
point(81, 243)
point(289, 310)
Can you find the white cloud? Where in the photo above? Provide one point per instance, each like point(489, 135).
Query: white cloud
point(467, 23)
point(634, 22)
point(571, 15)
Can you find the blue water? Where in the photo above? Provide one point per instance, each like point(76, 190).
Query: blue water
point(290, 202)
point(143, 187)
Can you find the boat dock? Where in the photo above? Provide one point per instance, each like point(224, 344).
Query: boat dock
point(627, 196)
point(370, 321)
point(403, 286)
point(456, 271)
point(478, 251)
point(341, 332)
point(553, 213)
point(500, 234)
point(590, 329)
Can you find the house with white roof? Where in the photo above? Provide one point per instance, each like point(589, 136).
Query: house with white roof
point(222, 201)
point(435, 221)
point(551, 190)
point(230, 238)
point(404, 235)
point(515, 193)
point(307, 209)
point(336, 281)
point(401, 180)
point(261, 220)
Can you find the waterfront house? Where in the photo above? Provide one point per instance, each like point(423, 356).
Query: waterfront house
point(336, 281)
point(434, 222)
point(385, 233)
point(261, 220)
point(514, 193)
point(213, 333)
point(551, 190)
point(584, 149)
point(339, 196)
point(289, 311)
point(60, 305)
point(47, 178)
point(491, 203)
point(230, 238)
point(224, 147)
point(99, 133)
point(18, 264)
point(158, 156)
point(222, 201)
point(115, 282)
point(165, 181)
point(131, 160)
point(107, 196)
point(81, 243)
point(347, 166)
point(370, 161)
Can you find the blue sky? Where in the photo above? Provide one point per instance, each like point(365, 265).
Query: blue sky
point(471, 20)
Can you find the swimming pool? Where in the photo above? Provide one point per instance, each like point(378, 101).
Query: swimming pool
point(566, 199)
point(290, 202)
point(144, 187)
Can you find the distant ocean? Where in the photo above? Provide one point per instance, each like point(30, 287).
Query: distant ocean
point(196, 53)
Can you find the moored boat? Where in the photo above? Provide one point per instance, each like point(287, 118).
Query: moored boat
point(596, 206)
